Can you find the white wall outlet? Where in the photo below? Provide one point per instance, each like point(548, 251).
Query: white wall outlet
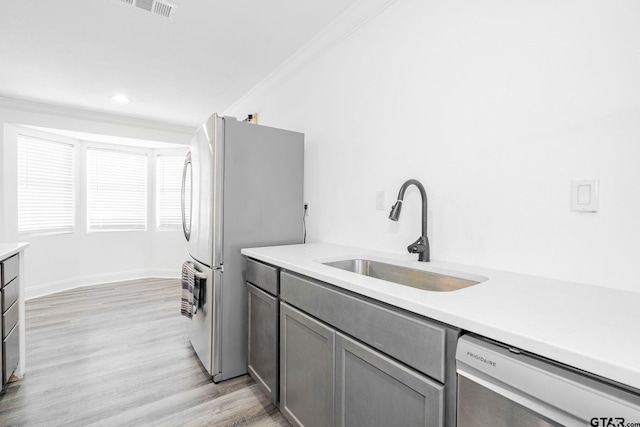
point(584, 195)
point(379, 200)
point(306, 208)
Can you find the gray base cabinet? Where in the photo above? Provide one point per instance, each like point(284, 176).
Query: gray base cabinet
point(9, 284)
point(306, 369)
point(329, 357)
point(392, 368)
point(263, 306)
point(373, 390)
point(330, 379)
point(262, 358)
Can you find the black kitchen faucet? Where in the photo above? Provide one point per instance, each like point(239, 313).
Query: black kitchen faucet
point(420, 246)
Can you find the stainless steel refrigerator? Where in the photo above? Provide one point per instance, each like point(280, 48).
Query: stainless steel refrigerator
point(242, 187)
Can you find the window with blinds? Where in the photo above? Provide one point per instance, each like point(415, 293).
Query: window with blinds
point(168, 191)
point(46, 203)
point(116, 190)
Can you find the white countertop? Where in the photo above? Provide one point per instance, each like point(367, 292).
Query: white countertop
point(8, 249)
point(592, 328)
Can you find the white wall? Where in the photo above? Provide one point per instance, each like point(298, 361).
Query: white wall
point(63, 261)
point(494, 106)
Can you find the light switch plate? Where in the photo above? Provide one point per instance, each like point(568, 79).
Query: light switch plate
point(380, 200)
point(584, 195)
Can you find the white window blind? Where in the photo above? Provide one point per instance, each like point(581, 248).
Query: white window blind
point(168, 191)
point(45, 186)
point(116, 190)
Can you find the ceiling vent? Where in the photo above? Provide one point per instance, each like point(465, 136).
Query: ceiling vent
point(161, 8)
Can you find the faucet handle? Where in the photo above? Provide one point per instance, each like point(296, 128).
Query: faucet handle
point(417, 246)
point(421, 247)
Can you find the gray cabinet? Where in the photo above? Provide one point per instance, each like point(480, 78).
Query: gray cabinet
point(263, 331)
point(9, 280)
point(343, 359)
point(374, 390)
point(263, 340)
point(392, 367)
point(307, 349)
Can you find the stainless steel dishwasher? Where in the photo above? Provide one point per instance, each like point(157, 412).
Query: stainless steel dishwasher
point(503, 387)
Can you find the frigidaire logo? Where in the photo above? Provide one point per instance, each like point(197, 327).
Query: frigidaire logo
point(481, 359)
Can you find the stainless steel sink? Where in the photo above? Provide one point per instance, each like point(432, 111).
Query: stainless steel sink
point(406, 276)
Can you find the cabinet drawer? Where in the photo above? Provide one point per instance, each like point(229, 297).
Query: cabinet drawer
point(412, 340)
point(9, 269)
point(9, 319)
point(10, 294)
point(10, 354)
point(263, 276)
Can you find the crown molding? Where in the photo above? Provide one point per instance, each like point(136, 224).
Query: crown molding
point(35, 107)
point(357, 15)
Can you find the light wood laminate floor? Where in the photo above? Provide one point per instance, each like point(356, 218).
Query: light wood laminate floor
point(118, 355)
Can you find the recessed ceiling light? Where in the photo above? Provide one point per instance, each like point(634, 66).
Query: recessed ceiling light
point(120, 98)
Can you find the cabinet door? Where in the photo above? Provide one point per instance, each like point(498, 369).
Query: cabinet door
point(306, 369)
point(374, 390)
point(262, 356)
point(10, 354)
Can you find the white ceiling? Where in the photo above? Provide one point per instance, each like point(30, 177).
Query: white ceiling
point(80, 53)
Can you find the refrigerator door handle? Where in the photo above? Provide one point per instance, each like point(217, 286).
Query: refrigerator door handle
point(186, 228)
point(199, 291)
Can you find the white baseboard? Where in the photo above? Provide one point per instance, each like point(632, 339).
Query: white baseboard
point(96, 279)
point(166, 273)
